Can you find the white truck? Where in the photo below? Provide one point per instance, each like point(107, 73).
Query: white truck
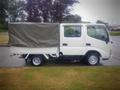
point(38, 42)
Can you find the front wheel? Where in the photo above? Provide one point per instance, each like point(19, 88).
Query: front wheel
point(37, 60)
point(92, 59)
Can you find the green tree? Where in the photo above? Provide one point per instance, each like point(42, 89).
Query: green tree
point(48, 10)
point(72, 19)
point(15, 9)
point(3, 8)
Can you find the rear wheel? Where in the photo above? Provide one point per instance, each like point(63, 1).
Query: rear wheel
point(37, 60)
point(92, 59)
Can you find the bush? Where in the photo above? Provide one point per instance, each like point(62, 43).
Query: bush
point(3, 27)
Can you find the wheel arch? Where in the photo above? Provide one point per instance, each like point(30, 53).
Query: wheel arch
point(30, 56)
point(93, 51)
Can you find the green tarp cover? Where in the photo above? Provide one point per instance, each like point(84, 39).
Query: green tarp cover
point(34, 34)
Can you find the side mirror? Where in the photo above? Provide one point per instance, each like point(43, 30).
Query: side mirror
point(105, 39)
point(111, 42)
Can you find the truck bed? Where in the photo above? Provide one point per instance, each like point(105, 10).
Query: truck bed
point(24, 50)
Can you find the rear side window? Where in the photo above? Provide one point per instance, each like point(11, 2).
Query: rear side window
point(98, 32)
point(72, 31)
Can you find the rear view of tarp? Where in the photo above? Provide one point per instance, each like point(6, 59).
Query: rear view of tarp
point(34, 35)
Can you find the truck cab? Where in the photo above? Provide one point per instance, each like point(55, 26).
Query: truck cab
point(91, 41)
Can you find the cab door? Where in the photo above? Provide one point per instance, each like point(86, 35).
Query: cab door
point(98, 39)
point(72, 39)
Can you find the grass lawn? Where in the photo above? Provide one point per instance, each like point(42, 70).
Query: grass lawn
point(60, 78)
point(4, 38)
point(3, 34)
point(115, 33)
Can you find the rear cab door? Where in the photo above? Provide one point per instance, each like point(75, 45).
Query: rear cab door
point(72, 39)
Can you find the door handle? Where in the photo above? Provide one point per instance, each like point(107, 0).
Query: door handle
point(65, 44)
point(88, 44)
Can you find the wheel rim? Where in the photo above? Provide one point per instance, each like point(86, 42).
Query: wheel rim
point(36, 61)
point(93, 60)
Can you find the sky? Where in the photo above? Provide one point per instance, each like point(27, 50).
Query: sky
point(93, 10)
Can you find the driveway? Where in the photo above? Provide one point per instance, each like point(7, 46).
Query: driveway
point(6, 60)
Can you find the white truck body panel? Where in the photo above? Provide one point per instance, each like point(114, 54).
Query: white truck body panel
point(23, 50)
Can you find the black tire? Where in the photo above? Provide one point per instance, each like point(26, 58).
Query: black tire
point(37, 60)
point(92, 59)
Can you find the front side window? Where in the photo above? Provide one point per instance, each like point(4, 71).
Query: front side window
point(72, 31)
point(98, 32)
